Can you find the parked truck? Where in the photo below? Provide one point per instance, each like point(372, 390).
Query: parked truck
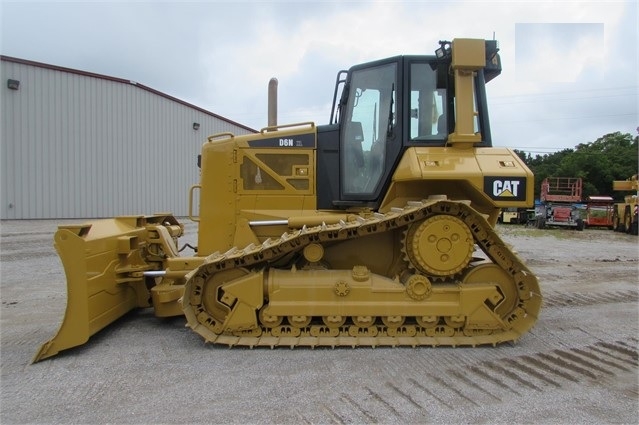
point(558, 198)
point(624, 218)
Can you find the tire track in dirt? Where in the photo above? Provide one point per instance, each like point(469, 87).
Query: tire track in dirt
point(557, 299)
point(495, 381)
point(490, 382)
point(359, 408)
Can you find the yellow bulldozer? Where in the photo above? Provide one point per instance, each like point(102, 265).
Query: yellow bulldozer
point(625, 215)
point(376, 229)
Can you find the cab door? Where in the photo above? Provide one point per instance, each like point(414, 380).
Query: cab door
point(370, 137)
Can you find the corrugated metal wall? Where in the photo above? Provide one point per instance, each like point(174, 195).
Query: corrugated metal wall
point(80, 146)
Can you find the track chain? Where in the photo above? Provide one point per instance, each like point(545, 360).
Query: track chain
point(517, 322)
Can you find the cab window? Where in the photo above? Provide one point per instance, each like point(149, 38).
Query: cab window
point(428, 118)
point(370, 118)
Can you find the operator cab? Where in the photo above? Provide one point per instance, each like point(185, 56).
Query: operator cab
point(385, 107)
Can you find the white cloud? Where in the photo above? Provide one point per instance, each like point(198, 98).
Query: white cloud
point(553, 52)
point(221, 55)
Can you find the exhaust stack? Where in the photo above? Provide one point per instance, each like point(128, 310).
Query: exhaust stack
point(272, 102)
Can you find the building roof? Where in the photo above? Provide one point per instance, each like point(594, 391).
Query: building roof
point(123, 81)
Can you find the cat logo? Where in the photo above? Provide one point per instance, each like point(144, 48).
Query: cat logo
point(505, 188)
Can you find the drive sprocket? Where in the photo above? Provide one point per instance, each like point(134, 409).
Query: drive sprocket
point(441, 245)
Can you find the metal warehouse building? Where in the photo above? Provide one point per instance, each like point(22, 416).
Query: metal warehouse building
point(80, 145)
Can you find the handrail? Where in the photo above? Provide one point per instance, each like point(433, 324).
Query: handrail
point(278, 127)
point(191, 190)
point(219, 135)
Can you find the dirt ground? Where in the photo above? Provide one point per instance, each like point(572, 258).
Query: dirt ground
point(578, 365)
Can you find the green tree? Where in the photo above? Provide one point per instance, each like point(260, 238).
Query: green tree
point(614, 156)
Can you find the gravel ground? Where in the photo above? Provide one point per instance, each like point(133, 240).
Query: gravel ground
point(578, 365)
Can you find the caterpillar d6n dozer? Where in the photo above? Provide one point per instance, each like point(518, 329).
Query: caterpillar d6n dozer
point(373, 230)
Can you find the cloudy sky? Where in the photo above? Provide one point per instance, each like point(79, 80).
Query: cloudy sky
point(569, 67)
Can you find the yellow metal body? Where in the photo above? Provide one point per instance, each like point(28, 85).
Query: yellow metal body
point(423, 267)
point(104, 263)
point(468, 56)
point(253, 184)
point(458, 173)
point(227, 208)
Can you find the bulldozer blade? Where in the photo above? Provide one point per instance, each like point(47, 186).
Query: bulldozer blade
point(103, 263)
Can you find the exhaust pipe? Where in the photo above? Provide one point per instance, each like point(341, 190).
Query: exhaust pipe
point(272, 102)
